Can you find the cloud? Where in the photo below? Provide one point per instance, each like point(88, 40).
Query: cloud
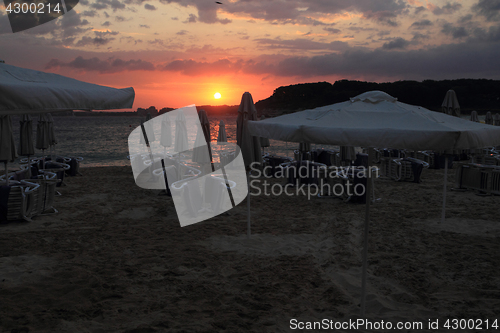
point(191, 19)
point(421, 24)
point(302, 12)
point(96, 41)
point(110, 65)
point(396, 44)
point(149, 7)
point(332, 30)
point(182, 32)
point(106, 24)
point(195, 68)
point(420, 9)
point(455, 32)
point(144, 26)
point(490, 9)
point(300, 44)
point(447, 9)
point(90, 13)
point(120, 18)
point(105, 4)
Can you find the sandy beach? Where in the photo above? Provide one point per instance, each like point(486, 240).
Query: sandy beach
point(116, 260)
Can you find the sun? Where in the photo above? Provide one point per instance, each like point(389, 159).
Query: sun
point(217, 95)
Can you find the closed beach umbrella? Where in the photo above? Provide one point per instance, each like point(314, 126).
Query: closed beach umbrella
point(166, 132)
point(496, 120)
point(347, 153)
point(26, 147)
point(7, 145)
point(181, 139)
point(42, 136)
point(205, 126)
point(50, 130)
point(248, 144)
point(473, 116)
point(222, 137)
point(148, 126)
point(201, 153)
point(450, 104)
point(488, 119)
point(264, 142)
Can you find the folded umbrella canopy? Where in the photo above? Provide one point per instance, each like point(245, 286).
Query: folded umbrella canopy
point(488, 119)
point(26, 147)
point(222, 137)
point(28, 91)
point(247, 143)
point(473, 116)
point(7, 145)
point(450, 104)
point(166, 132)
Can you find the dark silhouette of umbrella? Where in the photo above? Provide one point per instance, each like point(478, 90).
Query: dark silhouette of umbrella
point(7, 146)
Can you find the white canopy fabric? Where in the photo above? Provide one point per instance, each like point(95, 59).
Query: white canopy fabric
point(376, 119)
point(28, 91)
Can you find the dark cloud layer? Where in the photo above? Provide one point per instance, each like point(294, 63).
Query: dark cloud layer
point(296, 11)
point(474, 58)
point(490, 9)
point(111, 65)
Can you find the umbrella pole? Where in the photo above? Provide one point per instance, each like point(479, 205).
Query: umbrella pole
point(6, 174)
point(443, 211)
point(365, 236)
point(248, 207)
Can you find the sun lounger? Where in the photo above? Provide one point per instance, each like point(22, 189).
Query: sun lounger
point(478, 177)
point(304, 172)
point(487, 159)
point(272, 164)
point(402, 169)
point(46, 193)
point(16, 200)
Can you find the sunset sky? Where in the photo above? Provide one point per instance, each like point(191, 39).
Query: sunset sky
point(180, 52)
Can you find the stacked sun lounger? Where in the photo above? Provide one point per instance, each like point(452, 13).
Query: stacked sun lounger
point(402, 169)
point(478, 177)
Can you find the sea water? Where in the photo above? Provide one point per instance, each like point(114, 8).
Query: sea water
point(103, 140)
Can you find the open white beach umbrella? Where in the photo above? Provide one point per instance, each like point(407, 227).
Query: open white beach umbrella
point(166, 132)
point(450, 104)
point(28, 91)
point(473, 116)
point(488, 119)
point(248, 144)
point(7, 145)
point(376, 119)
point(496, 119)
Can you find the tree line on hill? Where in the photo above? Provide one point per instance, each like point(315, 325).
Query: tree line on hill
point(473, 94)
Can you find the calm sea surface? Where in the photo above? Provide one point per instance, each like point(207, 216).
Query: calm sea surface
point(102, 141)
